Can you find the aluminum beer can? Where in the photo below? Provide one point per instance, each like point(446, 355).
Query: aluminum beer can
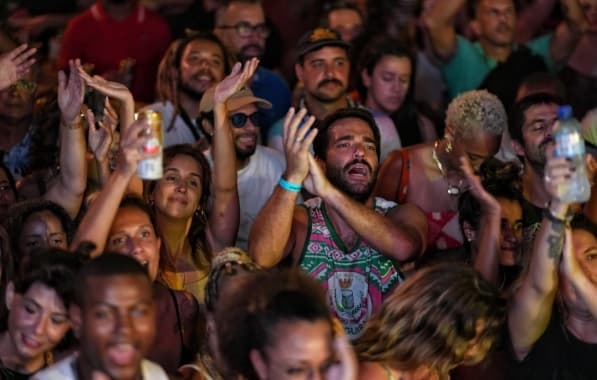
point(151, 168)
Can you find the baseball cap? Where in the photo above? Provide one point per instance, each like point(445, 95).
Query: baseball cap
point(318, 38)
point(238, 100)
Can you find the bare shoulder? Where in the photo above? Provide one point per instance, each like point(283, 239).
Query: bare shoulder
point(372, 371)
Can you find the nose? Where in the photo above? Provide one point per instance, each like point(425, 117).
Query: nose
point(359, 151)
point(40, 325)
point(124, 324)
point(181, 186)
point(134, 248)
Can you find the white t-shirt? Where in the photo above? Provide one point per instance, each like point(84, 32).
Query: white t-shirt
point(64, 370)
point(180, 132)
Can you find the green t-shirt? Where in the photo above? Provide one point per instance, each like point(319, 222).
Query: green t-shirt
point(469, 66)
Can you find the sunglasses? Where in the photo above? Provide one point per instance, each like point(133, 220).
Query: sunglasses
point(238, 120)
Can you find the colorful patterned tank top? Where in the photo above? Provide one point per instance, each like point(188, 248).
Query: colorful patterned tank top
point(356, 279)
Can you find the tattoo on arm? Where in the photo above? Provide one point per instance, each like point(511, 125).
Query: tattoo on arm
point(556, 240)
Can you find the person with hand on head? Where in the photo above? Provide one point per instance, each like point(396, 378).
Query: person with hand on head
point(344, 237)
point(15, 64)
point(114, 318)
point(552, 320)
point(38, 299)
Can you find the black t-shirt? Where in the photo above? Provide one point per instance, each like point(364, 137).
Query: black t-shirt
point(557, 355)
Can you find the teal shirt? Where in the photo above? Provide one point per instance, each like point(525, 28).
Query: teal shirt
point(469, 65)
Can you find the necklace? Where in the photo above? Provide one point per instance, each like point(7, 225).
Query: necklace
point(453, 190)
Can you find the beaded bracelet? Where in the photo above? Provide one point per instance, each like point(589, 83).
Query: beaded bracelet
point(289, 186)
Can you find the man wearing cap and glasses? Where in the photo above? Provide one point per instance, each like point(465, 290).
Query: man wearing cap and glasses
point(323, 68)
point(258, 167)
point(240, 24)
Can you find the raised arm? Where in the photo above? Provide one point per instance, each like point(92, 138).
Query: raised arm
point(568, 32)
point(532, 303)
point(224, 215)
point(100, 140)
point(97, 221)
point(69, 188)
point(15, 64)
point(485, 259)
point(400, 235)
point(439, 23)
point(273, 227)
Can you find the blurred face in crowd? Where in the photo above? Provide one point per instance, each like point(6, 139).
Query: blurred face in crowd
point(299, 350)
point(178, 192)
point(16, 102)
point(245, 138)
point(388, 84)
point(242, 29)
point(324, 73)
point(584, 245)
point(116, 325)
point(537, 133)
point(42, 230)
point(347, 22)
point(511, 231)
point(351, 160)
point(590, 9)
point(495, 22)
point(477, 147)
point(133, 234)
point(202, 66)
point(7, 195)
point(37, 322)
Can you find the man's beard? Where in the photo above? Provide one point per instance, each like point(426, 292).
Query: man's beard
point(324, 98)
point(538, 160)
point(336, 178)
point(243, 154)
point(190, 91)
point(243, 56)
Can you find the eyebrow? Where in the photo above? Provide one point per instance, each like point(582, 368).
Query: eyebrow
point(178, 172)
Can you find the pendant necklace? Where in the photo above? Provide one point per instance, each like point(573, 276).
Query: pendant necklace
point(453, 190)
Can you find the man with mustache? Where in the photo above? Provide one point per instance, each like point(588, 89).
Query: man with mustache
point(240, 24)
point(258, 167)
point(323, 69)
point(344, 237)
point(465, 65)
point(531, 126)
point(190, 66)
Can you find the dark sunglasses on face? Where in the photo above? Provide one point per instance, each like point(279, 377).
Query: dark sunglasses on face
point(238, 120)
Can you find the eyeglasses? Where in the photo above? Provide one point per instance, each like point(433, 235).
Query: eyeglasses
point(238, 120)
point(244, 29)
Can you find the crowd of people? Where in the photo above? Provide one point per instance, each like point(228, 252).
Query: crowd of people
point(363, 189)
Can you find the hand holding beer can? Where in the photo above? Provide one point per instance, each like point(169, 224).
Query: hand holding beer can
point(151, 168)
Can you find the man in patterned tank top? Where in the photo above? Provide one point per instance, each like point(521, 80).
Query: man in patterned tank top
point(343, 236)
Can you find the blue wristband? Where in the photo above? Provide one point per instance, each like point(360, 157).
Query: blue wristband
point(289, 186)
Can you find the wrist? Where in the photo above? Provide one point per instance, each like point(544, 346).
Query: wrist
point(558, 209)
point(293, 178)
point(558, 215)
point(75, 123)
point(290, 186)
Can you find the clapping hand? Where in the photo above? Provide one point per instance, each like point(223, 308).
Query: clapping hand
point(100, 139)
point(114, 90)
point(71, 92)
point(235, 81)
point(15, 64)
point(297, 138)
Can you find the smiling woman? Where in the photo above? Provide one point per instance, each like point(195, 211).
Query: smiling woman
point(38, 300)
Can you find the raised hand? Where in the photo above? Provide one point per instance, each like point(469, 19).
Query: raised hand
point(71, 92)
point(15, 64)
point(488, 203)
point(100, 139)
point(114, 90)
point(316, 182)
point(236, 80)
point(297, 138)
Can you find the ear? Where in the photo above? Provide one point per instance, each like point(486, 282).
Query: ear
point(259, 364)
point(298, 70)
point(366, 78)
point(475, 27)
point(74, 312)
point(9, 295)
point(518, 148)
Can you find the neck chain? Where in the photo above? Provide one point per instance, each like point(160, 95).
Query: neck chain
point(453, 190)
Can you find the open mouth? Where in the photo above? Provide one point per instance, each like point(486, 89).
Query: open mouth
point(122, 354)
point(358, 171)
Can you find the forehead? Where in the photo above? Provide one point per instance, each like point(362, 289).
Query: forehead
point(237, 12)
point(481, 142)
point(45, 297)
point(494, 4)
point(401, 65)
point(343, 16)
point(510, 207)
point(543, 111)
point(352, 126)
point(303, 340)
point(203, 46)
point(583, 240)
point(183, 162)
point(43, 216)
point(117, 290)
point(127, 216)
point(326, 52)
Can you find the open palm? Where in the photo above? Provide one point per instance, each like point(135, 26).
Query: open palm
point(236, 80)
point(71, 91)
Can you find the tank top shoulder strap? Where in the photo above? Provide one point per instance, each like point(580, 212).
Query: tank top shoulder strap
point(404, 176)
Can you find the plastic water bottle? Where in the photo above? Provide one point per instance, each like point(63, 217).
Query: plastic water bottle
point(570, 144)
